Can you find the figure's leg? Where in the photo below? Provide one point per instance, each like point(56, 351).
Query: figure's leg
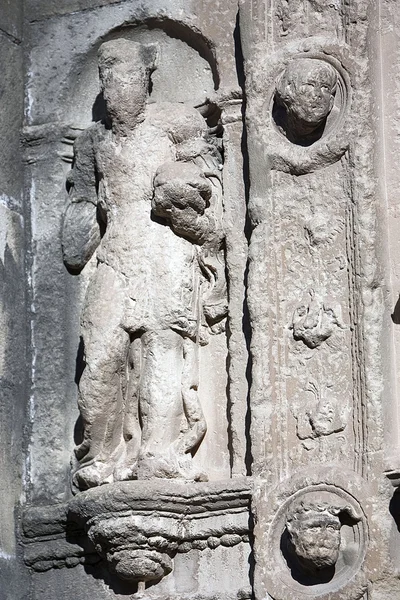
point(127, 467)
point(160, 403)
point(172, 419)
point(101, 388)
point(197, 425)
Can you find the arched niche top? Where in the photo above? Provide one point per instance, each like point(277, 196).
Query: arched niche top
point(186, 69)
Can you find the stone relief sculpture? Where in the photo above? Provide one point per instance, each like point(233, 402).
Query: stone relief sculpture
point(315, 322)
point(319, 230)
point(314, 532)
point(304, 99)
point(299, 110)
point(146, 190)
point(302, 439)
point(325, 416)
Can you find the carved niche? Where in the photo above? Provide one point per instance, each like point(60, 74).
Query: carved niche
point(145, 215)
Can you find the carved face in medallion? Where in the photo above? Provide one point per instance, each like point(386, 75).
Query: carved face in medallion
point(306, 94)
point(314, 531)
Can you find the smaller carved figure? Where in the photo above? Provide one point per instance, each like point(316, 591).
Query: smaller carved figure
point(313, 323)
point(183, 196)
point(314, 532)
point(328, 415)
point(304, 98)
point(321, 229)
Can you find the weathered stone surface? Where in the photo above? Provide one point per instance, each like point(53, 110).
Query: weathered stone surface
point(205, 256)
point(43, 9)
point(139, 527)
point(11, 23)
point(312, 530)
point(14, 333)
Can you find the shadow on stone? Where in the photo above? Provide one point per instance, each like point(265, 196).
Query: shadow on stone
point(299, 573)
point(394, 508)
point(396, 312)
point(99, 111)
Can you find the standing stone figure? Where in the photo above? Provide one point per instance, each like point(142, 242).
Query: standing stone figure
point(145, 189)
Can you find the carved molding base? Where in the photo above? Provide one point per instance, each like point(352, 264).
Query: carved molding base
point(137, 527)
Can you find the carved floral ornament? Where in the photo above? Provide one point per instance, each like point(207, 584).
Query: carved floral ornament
point(315, 320)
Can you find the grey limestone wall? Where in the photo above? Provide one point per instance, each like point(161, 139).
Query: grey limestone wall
point(14, 328)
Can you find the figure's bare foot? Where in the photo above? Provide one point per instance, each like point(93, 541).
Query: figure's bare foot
point(125, 472)
point(82, 449)
point(168, 465)
point(120, 465)
point(125, 467)
point(93, 475)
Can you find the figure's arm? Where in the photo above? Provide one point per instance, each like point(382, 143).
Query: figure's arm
point(215, 300)
point(81, 228)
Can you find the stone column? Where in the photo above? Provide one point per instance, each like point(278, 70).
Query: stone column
point(315, 297)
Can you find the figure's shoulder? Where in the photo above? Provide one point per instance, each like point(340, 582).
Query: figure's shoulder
point(90, 137)
point(180, 121)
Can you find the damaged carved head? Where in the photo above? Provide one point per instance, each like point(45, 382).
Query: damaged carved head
point(304, 98)
point(314, 531)
point(125, 68)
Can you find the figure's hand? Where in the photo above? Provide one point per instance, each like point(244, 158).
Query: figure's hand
point(186, 326)
point(80, 234)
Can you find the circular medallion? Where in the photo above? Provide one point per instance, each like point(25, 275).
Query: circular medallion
point(312, 541)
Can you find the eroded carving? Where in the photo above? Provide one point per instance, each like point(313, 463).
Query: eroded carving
point(146, 189)
point(314, 531)
point(327, 415)
point(314, 322)
point(315, 535)
point(304, 98)
point(139, 527)
point(320, 230)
